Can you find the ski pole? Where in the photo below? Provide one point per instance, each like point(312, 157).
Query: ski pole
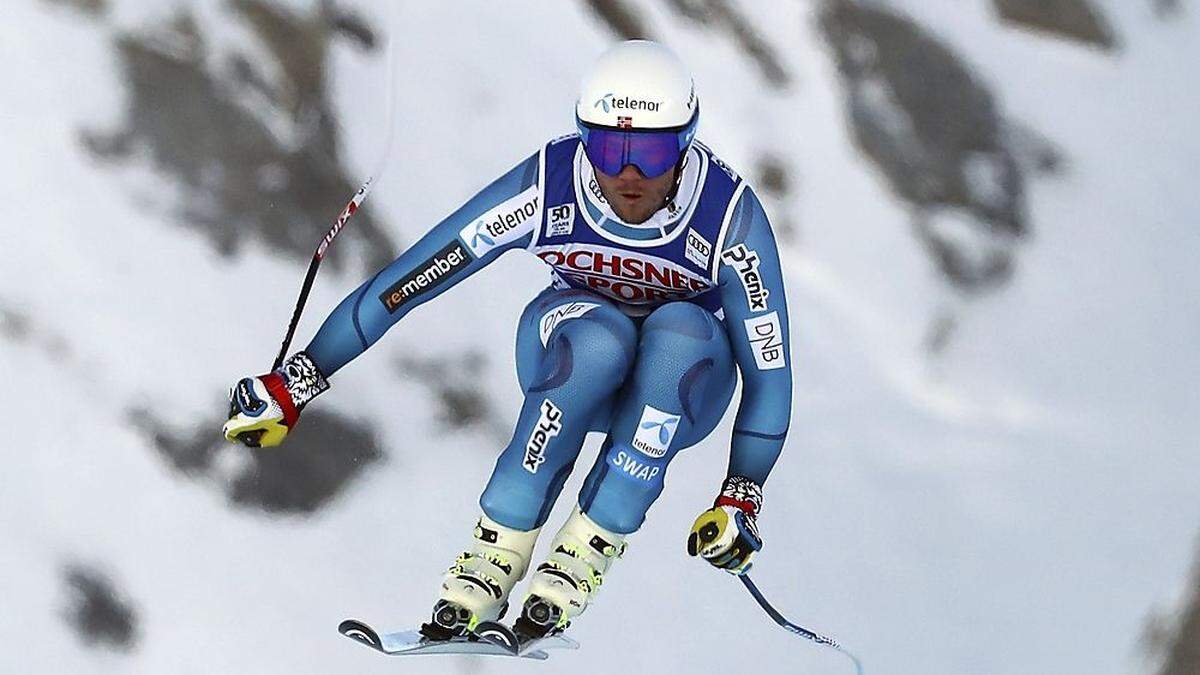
point(788, 625)
point(346, 213)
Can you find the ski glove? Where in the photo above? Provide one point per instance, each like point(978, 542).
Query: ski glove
point(263, 409)
point(727, 534)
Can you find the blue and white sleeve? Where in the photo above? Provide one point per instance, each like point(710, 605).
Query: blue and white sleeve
point(499, 218)
point(756, 319)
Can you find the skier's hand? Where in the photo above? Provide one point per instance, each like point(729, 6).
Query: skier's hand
point(727, 534)
point(263, 409)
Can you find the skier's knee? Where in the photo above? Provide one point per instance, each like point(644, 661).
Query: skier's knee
point(681, 319)
point(602, 341)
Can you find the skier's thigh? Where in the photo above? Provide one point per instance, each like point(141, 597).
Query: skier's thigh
point(555, 311)
point(682, 382)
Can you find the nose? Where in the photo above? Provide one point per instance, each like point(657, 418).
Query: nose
point(631, 172)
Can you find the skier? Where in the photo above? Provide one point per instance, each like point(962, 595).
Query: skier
point(664, 275)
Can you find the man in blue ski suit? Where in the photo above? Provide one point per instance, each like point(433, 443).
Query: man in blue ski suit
point(665, 275)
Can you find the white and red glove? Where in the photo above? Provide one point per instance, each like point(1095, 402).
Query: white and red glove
point(727, 534)
point(263, 409)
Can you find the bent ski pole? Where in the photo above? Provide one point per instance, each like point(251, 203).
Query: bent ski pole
point(344, 216)
point(788, 625)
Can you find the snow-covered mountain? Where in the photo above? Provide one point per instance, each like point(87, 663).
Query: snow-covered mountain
point(989, 223)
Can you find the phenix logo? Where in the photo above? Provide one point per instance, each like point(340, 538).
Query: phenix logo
point(548, 425)
point(611, 101)
point(744, 261)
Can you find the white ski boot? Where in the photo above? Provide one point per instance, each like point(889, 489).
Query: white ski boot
point(477, 586)
point(563, 585)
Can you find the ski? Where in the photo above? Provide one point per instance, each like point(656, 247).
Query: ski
point(411, 643)
point(503, 637)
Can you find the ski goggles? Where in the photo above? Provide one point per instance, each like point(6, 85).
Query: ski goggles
point(652, 151)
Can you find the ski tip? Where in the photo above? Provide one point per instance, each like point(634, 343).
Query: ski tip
point(360, 631)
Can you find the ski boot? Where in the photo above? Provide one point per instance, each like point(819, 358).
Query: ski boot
point(477, 586)
point(563, 585)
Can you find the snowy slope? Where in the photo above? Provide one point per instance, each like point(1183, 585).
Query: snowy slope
point(1018, 502)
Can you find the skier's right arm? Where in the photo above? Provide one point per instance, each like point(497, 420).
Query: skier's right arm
point(499, 218)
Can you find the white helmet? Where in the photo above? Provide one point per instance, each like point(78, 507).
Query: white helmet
point(638, 84)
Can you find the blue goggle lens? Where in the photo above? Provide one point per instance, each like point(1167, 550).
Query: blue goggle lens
point(652, 152)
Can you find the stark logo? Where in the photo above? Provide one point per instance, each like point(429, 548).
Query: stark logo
point(766, 341)
point(548, 425)
point(551, 320)
point(561, 221)
point(655, 431)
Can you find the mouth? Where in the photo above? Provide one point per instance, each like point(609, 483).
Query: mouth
point(631, 196)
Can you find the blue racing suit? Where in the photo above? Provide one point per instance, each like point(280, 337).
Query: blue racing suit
point(640, 333)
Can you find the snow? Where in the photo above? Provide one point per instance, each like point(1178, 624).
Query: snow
point(1018, 503)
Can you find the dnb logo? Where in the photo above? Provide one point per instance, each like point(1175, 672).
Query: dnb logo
point(624, 276)
point(655, 432)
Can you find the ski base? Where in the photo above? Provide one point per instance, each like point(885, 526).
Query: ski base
point(412, 643)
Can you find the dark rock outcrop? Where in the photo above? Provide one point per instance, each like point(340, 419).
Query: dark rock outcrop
point(724, 15)
point(453, 382)
point(937, 134)
point(1176, 640)
point(1078, 20)
point(623, 20)
point(254, 156)
point(322, 457)
point(98, 613)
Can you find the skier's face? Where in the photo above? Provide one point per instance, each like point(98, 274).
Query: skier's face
point(633, 197)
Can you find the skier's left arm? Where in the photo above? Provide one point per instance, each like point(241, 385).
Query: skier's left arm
point(756, 321)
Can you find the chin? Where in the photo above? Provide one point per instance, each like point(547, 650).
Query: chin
point(636, 217)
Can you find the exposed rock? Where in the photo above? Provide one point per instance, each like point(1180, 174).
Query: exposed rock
point(100, 616)
point(319, 461)
point(1078, 20)
point(14, 325)
point(454, 383)
point(1178, 640)
point(772, 176)
point(624, 21)
point(724, 15)
point(93, 9)
point(255, 155)
point(19, 326)
point(936, 133)
point(1166, 9)
point(941, 331)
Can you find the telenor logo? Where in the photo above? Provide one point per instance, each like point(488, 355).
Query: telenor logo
point(610, 102)
point(505, 223)
point(655, 431)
